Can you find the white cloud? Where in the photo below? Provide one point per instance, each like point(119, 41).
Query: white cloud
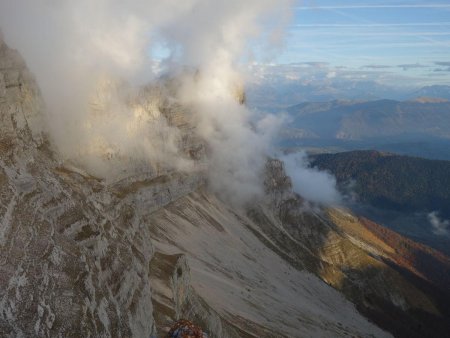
point(440, 226)
point(311, 184)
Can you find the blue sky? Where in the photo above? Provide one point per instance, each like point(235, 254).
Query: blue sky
point(390, 40)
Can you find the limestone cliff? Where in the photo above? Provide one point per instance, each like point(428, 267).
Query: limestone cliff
point(72, 260)
point(21, 106)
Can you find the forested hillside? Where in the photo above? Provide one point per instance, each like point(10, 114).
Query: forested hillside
point(391, 181)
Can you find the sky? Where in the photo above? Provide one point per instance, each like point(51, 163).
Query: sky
point(391, 41)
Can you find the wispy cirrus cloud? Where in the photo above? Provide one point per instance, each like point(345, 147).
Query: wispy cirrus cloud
point(445, 69)
point(315, 64)
point(354, 33)
point(355, 25)
point(406, 41)
point(437, 6)
point(376, 66)
point(410, 66)
point(444, 66)
point(442, 63)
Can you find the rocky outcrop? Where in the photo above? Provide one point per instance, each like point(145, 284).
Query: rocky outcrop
point(174, 298)
point(20, 103)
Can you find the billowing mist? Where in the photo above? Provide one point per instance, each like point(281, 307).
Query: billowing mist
point(91, 59)
point(312, 184)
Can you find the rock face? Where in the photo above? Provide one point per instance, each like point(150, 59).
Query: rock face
point(83, 257)
point(73, 260)
point(20, 103)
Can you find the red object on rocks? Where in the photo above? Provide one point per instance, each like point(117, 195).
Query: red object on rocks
point(186, 329)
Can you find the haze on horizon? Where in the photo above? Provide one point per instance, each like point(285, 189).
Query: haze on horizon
point(397, 43)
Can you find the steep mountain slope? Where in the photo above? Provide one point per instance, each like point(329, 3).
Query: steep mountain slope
point(252, 267)
point(424, 268)
point(248, 284)
point(81, 256)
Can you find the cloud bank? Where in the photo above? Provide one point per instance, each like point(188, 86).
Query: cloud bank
point(91, 59)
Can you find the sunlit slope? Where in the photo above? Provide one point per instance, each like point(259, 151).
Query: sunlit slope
point(246, 281)
point(400, 284)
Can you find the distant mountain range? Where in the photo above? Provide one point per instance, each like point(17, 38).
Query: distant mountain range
point(419, 127)
point(355, 120)
point(278, 95)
